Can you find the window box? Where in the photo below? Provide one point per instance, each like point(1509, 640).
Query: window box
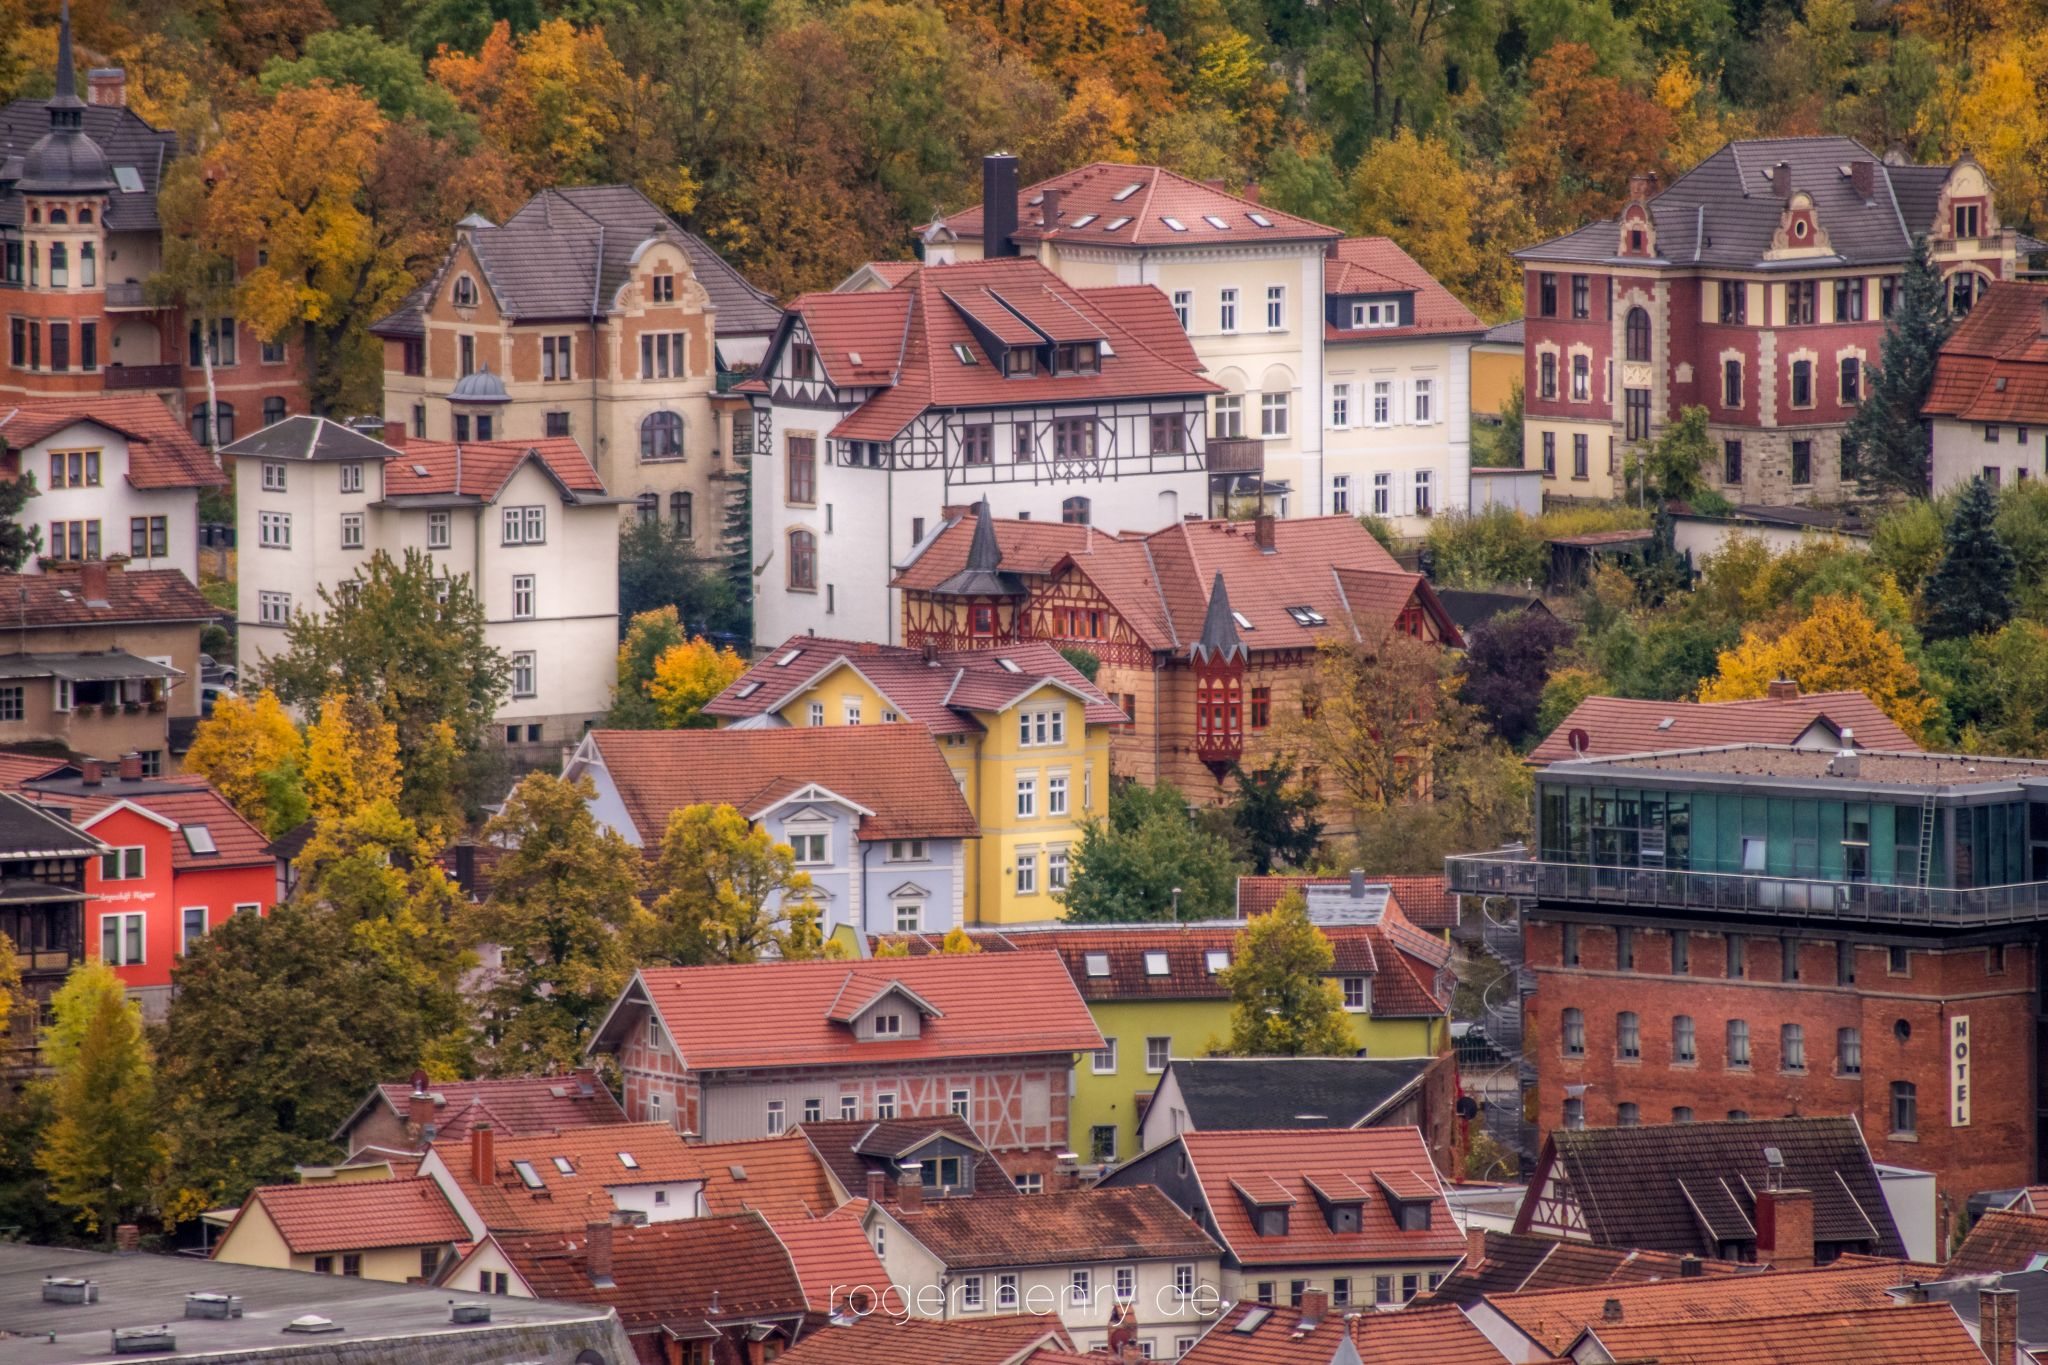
point(110, 708)
point(156, 704)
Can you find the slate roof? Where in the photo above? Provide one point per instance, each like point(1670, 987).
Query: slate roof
point(27, 831)
point(1159, 583)
point(305, 437)
point(895, 771)
point(1722, 213)
point(999, 1340)
point(356, 1215)
point(1689, 1186)
point(1377, 265)
point(1924, 1334)
point(1255, 1334)
point(567, 252)
point(776, 1177)
point(1469, 608)
point(161, 454)
point(480, 470)
point(942, 693)
point(1515, 1263)
point(1144, 197)
point(1104, 1224)
point(1994, 366)
point(1505, 333)
point(567, 1200)
point(2002, 1240)
point(128, 141)
point(1627, 725)
point(1426, 901)
point(854, 1147)
point(1291, 1092)
point(514, 1106)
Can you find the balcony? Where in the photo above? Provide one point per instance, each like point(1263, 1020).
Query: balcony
point(142, 376)
point(128, 296)
point(1734, 893)
point(1236, 455)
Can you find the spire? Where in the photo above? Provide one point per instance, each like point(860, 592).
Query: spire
point(1220, 639)
point(67, 79)
point(983, 553)
point(982, 575)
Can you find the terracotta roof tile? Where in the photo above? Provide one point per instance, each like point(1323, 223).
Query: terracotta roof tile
point(670, 1274)
point(1427, 901)
point(1626, 725)
point(1144, 197)
point(1919, 1334)
point(895, 771)
point(515, 1106)
point(779, 1177)
point(992, 1005)
point(1994, 366)
point(1276, 1336)
point(832, 1257)
point(134, 596)
point(480, 469)
point(161, 454)
point(1372, 265)
point(878, 1337)
point(568, 1200)
point(2002, 1240)
point(1102, 1224)
point(359, 1215)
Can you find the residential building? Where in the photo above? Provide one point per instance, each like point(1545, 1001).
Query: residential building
point(399, 1231)
point(2002, 1240)
point(1749, 930)
point(1316, 1333)
point(1424, 902)
point(1498, 1263)
point(1496, 371)
point(1757, 286)
point(1824, 722)
point(80, 247)
point(115, 477)
point(989, 1037)
point(560, 1181)
point(1927, 1334)
point(1096, 1259)
point(1202, 1094)
point(1356, 1213)
point(44, 857)
point(999, 381)
point(1206, 631)
point(529, 523)
point(598, 321)
point(402, 1119)
point(869, 1157)
point(104, 661)
point(2002, 1312)
point(1987, 411)
point(1024, 734)
point(1245, 282)
point(1002, 1339)
point(872, 813)
point(1397, 387)
point(105, 1306)
point(179, 862)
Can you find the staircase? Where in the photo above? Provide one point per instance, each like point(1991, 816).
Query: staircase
point(1499, 937)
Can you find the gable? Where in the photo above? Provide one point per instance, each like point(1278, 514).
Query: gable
point(463, 263)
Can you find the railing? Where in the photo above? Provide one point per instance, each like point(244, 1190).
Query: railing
point(1236, 455)
point(1738, 893)
point(127, 294)
point(142, 376)
point(728, 380)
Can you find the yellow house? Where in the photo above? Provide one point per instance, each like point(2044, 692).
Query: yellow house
point(398, 1231)
point(1496, 370)
point(1025, 734)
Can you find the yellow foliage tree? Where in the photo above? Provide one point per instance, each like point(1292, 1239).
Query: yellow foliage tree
point(958, 942)
point(1997, 110)
point(1461, 232)
point(251, 751)
point(688, 675)
point(351, 758)
point(727, 892)
point(1836, 648)
point(553, 99)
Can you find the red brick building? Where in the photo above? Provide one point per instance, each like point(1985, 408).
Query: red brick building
point(1756, 285)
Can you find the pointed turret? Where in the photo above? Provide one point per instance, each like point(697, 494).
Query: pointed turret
point(1220, 640)
point(64, 160)
point(1219, 657)
point(982, 575)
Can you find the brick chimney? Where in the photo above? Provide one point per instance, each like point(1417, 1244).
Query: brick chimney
point(131, 766)
point(1782, 689)
point(597, 1251)
point(393, 435)
point(1475, 1246)
point(910, 1189)
point(419, 1110)
point(483, 1164)
point(92, 582)
point(1784, 1229)
point(1998, 1324)
point(89, 772)
point(107, 87)
point(1049, 208)
point(1863, 179)
point(878, 1187)
point(1781, 180)
point(1262, 530)
point(1315, 1306)
point(127, 1239)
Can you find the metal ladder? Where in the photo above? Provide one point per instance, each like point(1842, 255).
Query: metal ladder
point(1926, 839)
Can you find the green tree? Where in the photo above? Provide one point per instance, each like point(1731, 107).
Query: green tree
point(1276, 815)
point(564, 894)
point(19, 541)
point(1148, 858)
point(411, 639)
point(388, 74)
point(1971, 591)
point(651, 634)
point(1283, 1003)
point(1500, 447)
point(659, 567)
point(1887, 433)
point(1675, 466)
point(1085, 661)
point(725, 892)
point(736, 546)
point(103, 1152)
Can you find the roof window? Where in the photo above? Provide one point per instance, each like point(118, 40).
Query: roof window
point(1260, 219)
point(1176, 224)
point(1217, 959)
point(1307, 616)
point(1242, 624)
point(788, 657)
point(1155, 963)
point(736, 1171)
point(419, 471)
point(1213, 221)
point(128, 179)
point(1098, 964)
point(1128, 190)
point(565, 1166)
point(1252, 1321)
point(199, 839)
point(1113, 224)
point(528, 1176)
point(1009, 665)
point(1085, 219)
point(963, 354)
point(626, 1160)
point(748, 689)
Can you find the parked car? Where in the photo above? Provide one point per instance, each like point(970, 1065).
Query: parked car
point(213, 671)
point(211, 692)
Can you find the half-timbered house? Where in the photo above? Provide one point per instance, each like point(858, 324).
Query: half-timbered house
point(995, 380)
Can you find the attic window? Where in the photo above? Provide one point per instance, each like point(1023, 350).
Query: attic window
point(736, 1171)
point(1217, 959)
point(565, 1166)
point(1036, 199)
point(1242, 624)
point(962, 354)
point(1252, 1321)
point(419, 471)
point(199, 839)
point(748, 689)
point(1084, 220)
point(1098, 964)
point(1155, 964)
point(1667, 722)
point(1998, 384)
point(528, 1176)
point(1113, 224)
point(1127, 191)
point(1009, 665)
point(1260, 219)
point(1213, 221)
point(853, 358)
point(1307, 616)
point(128, 179)
point(1176, 224)
point(788, 657)
point(626, 1160)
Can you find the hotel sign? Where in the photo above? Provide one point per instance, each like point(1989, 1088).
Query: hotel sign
point(1959, 1071)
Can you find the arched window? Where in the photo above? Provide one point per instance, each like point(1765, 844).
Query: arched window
point(803, 561)
point(648, 505)
point(59, 216)
point(682, 511)
point(1638, 334)
point(85, 213)
point(661, 436)
point(1965, 288)
point(465, 292)
point(88, 266)
point(273, 411)
point(223, 423)
point(1074, 511)
point(60, 265)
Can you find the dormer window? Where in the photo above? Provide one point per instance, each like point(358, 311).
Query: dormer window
point(1272, 1222)
point(889, 1025)
point(464, 294)
point(803, 361)
point(1019, 361)
point(1382, 314)
point(1081, 357)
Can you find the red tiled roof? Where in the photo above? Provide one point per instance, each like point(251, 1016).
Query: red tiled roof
point(236, 842)
point(895, 771)
point(778, 1177)
point(1625, 725)
point(1372, 265)
point(942, 693)
point(832, 1256)
point(1289, 1156)
point(1917, 1334)
point(892, 273)
point(1994, 366)
point(2032, 1199)
point(568, 1200)
point(878, 1338)
point(160, 452)
point(2002, 1240)
point(1145, 196)
point(1440, 1336)
point(1426, 901)
point(357, 1215)
point(670, 1273)
point(1105, 1224)
point(134, 596)
point(991, 1005)
point(16, 769)
point(515, 1106)
point(480, 469)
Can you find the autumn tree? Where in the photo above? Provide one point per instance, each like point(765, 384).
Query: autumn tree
point(252, 753)
point(649, 635)
point(1283, 1002)
point(1887, 432)
point(1971, 591)
point(386, 73)
point(1374, 711)
point(1836, 648)
point(688, 675)
point(351, 758)
point(1581, 138)
point(725, 891)
point(564, 897)
point(1456, 232)
point(103, 1151)
point(555, 99)
point(958, 942)
point(1150, 860)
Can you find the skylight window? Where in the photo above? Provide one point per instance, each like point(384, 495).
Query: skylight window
point(1098, 964)
point(1260, 219)
point(1085, 219)
point(853, 358)
point(1242, 624)
point(1307, 616)
point(1128, 190)
point(419, 471)
point(564, 1165)
point(129, 179)
point(1252, 1321)
point(1155, 964)
point(1113, 224)
point(626, 1160)
point(199, 839)
point(1217, 959)
point(1213, 221)
point(788, 657)
point(748, 689)
point(528, 1176)
point(963, 354)
point(1009, 665)
point(1176, 224)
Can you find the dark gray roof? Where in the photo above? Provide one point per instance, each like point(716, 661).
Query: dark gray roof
point(1291, 1092)
point(1219, 630)
point(1468, 609)
point(129, 144)
point(1504, 334)
point(982, 575)
point(567, 251)
point(29, 831)
point(379, 1323)
point(1724, 211)
point(479, 386)
point(304, 437)
point(2031, 1286)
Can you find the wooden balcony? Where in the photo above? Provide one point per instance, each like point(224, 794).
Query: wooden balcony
point(142, 377)
point(1236, 455)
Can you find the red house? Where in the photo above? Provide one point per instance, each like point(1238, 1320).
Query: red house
point(180, 861)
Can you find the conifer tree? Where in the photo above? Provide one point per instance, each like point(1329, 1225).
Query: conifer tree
point(18, 540)
point(1971, 591)
point(737, 541)
point(1887, 435)
point(1283, 1001)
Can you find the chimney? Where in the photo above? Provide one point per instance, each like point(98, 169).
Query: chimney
point(1611, 1311)
point(419, 1110)
point(1782, 689)
point(1358, 883)
point(928, 648)
point(1315, 1306)
point(1642, 187)
point(878, 1187)
point(1049, 209)
point(483, 1163)
point(1262, 529)
point(1863, 179)
point(998, 205)
point(1784, 1229)
point(1475, 1246)
point(393, 435)
point(597, 1251)
point(1781, 180)
point(910, 1189)
point(1251, 191)
point(1998, 1324)
point(131, 766)
point(107, 87)
point(2044, 318)
point(92, 582)
point(89, 772)
point(1691, 1267)
point(127, 1239)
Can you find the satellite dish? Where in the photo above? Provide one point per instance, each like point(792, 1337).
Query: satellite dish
point(1579, 740)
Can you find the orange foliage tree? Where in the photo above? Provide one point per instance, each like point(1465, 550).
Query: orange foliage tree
point(1582, 137)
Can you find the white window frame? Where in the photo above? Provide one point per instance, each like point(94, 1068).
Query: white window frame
point(1102, 1060)
point(1276, 307)
point(910, 909)
point(1226, 311)
point(1340, 494)
point(131, 923)
point(352, 478)
point(523, 526)
point(1184, 307)
point(775, 1117)
point(131, 863)
point(273, 477)
point(1425, 492)
point(1125, 1283)
point(803, 841)
point(530, 686)
point(185, 938)
point(1275, 416)
point(817, 715)
point(1058, 868)
point(1006, 1293)
point(1340, 407)
point(1056, 794)
point(440, 530)
point(970, 1293)
point(272, 609)
point(351, 530)
point(1357, 994)
point(1382, 402)
point(524, 596)
point(1027, 796)
point(274, 530)
point(1383, 495)
point(1027, 874)
point(1158, 1052)
point(1424, 390)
